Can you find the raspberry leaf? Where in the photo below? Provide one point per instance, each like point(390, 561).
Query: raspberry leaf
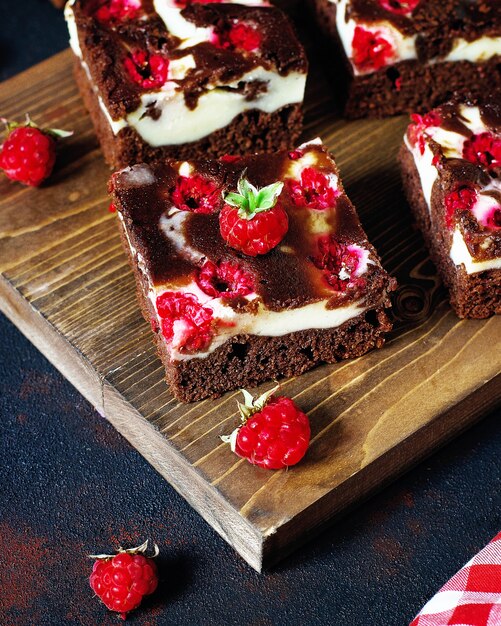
point(57, 133)
point(142, 549)
point(250, 201)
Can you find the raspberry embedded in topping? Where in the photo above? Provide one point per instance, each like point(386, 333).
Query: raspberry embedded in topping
point(230, 158)
point(185, 322)
point(294, 155)
point(371, 51)
point(185, 3)
point(315, 190)
point(493, 219)
point(225, 279)
point(150, 71)
point(113, 11)
point(196, 194)
point(420, 123)
point(339, 263)
point(401, 7)
point(462, 199)
point(238, 37)
point(483, 149)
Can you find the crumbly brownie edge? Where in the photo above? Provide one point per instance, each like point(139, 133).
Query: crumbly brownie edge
point(248, 360)
point(251, 131)
point(421, 87)
point(474, 296)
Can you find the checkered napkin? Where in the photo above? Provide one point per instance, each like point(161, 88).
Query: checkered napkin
point(472, 597)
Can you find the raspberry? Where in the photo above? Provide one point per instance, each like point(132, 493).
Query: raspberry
point(401, 7)
point(493, 219)
point(252, 221)
point(420, 123)
point(294, 155)
point(29, 152)
point(113, 11)
point(226, 279)
point(462, 199)
point(238, 37)
point(339, 264)
point(483, 149)
point(274, 432)
point(230, 158)
point(185, 322)
point(314, 191)
point(122, 580)
point(371, 51)
point(150, 71)
point(184, 3)
point(196, 194)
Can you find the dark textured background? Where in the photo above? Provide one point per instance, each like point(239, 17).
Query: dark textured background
point(70, 485)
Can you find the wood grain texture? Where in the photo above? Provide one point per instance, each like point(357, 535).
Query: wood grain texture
point(65, 283)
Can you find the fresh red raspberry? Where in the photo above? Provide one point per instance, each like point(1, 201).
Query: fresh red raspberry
point(483, 149)
point(238, 37)
point(371, 51)
point(28, 154)
point(462, 199)
point(252, 220)
point(420, 123)
point(224, 279)
point(114, 11)
point(196, 194)
point(122, 580)
point(401, 7)
point(339, 264)
point(274, 432)
point(150, 71)
point(314, 191)
point(185, 322)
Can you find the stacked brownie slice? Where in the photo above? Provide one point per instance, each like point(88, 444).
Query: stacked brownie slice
point(411, 55)
point(250, 268)
point(168, 78)
point(451, 167)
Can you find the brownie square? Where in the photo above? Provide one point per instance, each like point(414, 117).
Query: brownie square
point(226, 317)
point(412, 55)
point(451, 169)
point(166, 78)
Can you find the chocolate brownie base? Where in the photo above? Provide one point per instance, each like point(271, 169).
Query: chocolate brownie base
point(253, 130)
point(421, 87)
point(474, 296)
point(248, 360)
point(408, 86)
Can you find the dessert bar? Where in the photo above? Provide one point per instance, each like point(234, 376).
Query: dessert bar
point(451, 168)
point(166, 78)
point(250, 268)
point(412, 55)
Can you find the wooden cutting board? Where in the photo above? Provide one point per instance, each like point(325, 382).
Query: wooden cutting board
point(65, 283)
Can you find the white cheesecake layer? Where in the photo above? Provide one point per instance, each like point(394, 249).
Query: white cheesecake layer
point(452, 145)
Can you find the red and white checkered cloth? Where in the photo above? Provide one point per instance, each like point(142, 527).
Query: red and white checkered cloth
point(472, 597)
